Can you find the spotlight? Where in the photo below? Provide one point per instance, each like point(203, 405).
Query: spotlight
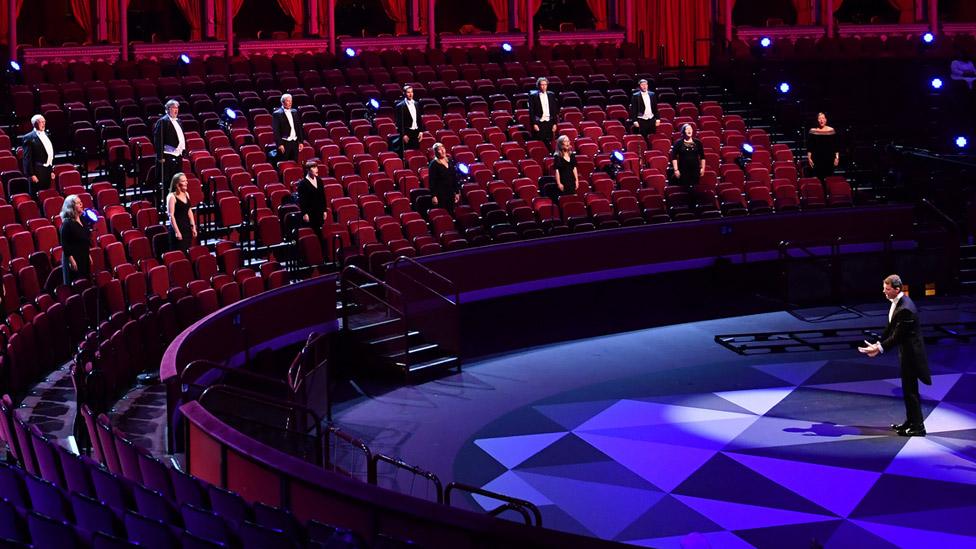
point(928, 38)
point(618, 155)
point(14, 66)
point(350, 52)
point(463, 168)
point(784, 87)
point(185, 59)
point(748, 149)
point(374, 103)
point(506, 47)
point(962, 142)
point(230, 113)
point(372, 106)
point(463, 172)
point(936, 83)
point(765, 42)
point(616, 164)
point(90, 214)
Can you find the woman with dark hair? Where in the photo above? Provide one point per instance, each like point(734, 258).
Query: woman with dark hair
point(75, 241)
point(822, 153)
point(311, 198)
point(442, 179)
point(182, 225)
point(688, 158)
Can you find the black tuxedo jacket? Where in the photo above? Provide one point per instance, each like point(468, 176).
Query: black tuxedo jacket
point(905, 332)
point(637, 105)
point(280, 126)
point(165, 134)
point(403, 119)
point(34, 154)
point(535, 107)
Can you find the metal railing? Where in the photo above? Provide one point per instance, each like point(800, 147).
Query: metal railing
point(400, 465)
point(526, 509)
point(430, 302)
point(379, 302)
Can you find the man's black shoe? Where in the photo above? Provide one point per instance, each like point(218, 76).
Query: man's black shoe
point(912, 432)
point(899, 426)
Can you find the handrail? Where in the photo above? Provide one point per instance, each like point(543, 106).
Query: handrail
point(258, 397)
point(928, 155)
point(224, 368)
point(296, 364)
point(400, 464)
point(450, 283)
point(357, 442)
point(500, 497)
point(944, 217)
point(359, 271)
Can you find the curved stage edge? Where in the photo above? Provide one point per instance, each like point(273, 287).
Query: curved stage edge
point(733, 258)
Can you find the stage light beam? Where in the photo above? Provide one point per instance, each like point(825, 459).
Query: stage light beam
point(784, 87)
point(936, 83)
point(765, 42)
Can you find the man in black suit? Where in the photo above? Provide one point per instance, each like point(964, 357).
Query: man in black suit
point(289, 133)
point(643, 109)
point(408, 121)
point(170, 146)
point(905, 333)
point(543, 111)
point(38, 155)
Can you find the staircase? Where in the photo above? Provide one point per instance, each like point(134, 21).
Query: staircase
point(392, 347)
point(967, 269)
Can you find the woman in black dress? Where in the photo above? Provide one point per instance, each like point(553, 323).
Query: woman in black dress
point(75, 241)
point(822, 153)
point(443, 180)
point(688, 159)
point(182, 225)
point(311, 198)
point(564, 166)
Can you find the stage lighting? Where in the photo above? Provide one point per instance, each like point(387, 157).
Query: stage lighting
point(14, 66)
point(350, 52)
point(506, 47)
point(184, 59)
point(230, 113)
point(784, 87)
point(463, 168)
point(463, 172)
point(227, 119)
point(90, 215)
point(373, 103)
point(765, 42)
point(618, 156)
point(936, 83)
point(372, 106)
point(928, 38)
point(962, 142)
point(748, 149)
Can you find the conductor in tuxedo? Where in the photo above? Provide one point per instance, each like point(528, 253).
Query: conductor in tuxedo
point(409, 124)
point(904, 333)
point(643, 110)
point(170, 146)
point(288, 131)
point(38, 155)
point(543, 111)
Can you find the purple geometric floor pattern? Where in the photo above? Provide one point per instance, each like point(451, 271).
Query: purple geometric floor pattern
point(755, 466)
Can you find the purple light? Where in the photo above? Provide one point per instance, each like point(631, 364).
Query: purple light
point(350, 52)
point(962, 142)
point(15, 65)
point(765, 42)
point(463, 168)
point(90, 214)
point(185, 59)
point(506, 47)
point(928, 38)
point(936, 83)
point(784, 87)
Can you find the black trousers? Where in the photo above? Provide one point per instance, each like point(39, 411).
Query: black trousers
point(43, 174)
point(414, 142)
point(291, 151)
point(171, 165)
point(545, 133)
point(913, 402)
point(646, 127)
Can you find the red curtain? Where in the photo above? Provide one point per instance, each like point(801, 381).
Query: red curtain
point(804, 11)
point(599, 10)
point(114, 20)
point(396, 10)
point(683, 27)
point(501, 14)
point(4, 29)
point(191, 11)
point(82, 10)
point(906, 10)
point(294, 9)
point(520, 11)
point(220, 7)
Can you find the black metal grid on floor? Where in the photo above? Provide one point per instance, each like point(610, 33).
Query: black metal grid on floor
point(833, 339)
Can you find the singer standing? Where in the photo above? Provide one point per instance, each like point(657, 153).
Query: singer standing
point(170, 146)
point(75, 241)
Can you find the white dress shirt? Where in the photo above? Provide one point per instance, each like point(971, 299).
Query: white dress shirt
point(48, 147)
point(648, 113)
point(544, 101)
point(413, 112)
point(291, 124)
point(178, 151)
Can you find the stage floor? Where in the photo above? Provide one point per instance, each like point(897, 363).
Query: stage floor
point(646, 436)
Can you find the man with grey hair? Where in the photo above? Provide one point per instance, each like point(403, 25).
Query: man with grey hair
point(905, 334)
point(288, 131)
point(38, 161)
point(543, 111)
point(170, 146)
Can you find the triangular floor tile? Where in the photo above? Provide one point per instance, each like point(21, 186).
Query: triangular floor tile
point(511, 451)
point(790, 535)
point(573, 414)
point(713, 435)
point(604, 509)
point(869, 454)
point(793, 372)
point(953, 521)
point(608, 472)
point(894, 494)
point(669, 517)
point(566, 450)
point(941, 385)
point(849, 534)
point(911, 537)
point(512, 485)
point(738, 516)
point(725, 540)
point(769, 432)
point(630, 413)
point(946, 417)
point(663, 465)
point(757, 401)
point(928, 459)
point(818, 483)
point(697, 400)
